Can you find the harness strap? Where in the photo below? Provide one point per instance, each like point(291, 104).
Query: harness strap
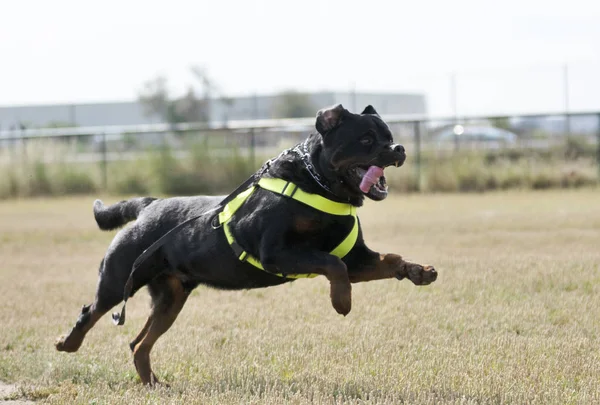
point(316, 201)
point(233, 205)
point(291, 190)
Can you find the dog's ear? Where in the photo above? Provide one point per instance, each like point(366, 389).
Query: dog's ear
point(328, 118)
point(369, 110)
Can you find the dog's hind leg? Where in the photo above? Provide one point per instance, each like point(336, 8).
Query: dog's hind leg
point(90, 314)
point(70, 343)
point(169, 297)
point(142, 333)
point(109, 292)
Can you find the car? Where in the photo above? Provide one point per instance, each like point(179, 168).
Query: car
point(487, 135)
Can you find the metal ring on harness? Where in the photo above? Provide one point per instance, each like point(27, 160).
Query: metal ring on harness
point(218, 222)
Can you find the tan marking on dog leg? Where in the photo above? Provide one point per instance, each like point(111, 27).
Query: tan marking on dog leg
point(72, 342)
point(340, 290)
point(142, 333)
point(393, 266)
point(163, 315)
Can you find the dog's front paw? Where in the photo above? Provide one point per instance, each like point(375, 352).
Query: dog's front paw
point(341, 297)
point(420, 275)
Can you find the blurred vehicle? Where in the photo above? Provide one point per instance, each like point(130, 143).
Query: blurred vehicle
point(479, 136)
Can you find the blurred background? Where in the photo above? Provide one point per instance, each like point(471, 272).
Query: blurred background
point(186, 97)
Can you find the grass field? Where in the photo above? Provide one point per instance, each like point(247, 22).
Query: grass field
point(513, 318)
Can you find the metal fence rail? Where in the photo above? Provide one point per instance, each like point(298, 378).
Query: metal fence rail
point(17, 134)
point(255, 138)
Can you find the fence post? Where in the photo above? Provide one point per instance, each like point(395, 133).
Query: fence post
point(417, 132)
point(104, 163)
point(252, 147)
point(23, 146)
point(255, 114)
point(598, 146)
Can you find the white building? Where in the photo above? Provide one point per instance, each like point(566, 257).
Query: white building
point(240, 108)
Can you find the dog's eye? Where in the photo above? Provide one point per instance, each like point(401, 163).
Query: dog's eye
point(366, 140)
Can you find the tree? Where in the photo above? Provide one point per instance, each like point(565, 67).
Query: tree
point(292, 104)
point(501, 122)
point(154, 98)
point(209, 89)
point(189, 108)
point(156, 101)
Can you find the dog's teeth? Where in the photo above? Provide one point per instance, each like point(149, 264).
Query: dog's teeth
point(397, 163)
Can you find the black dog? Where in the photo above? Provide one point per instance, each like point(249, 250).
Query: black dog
point(296, 218)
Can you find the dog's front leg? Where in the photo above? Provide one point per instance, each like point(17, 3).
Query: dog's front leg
point(366, 265)
point(296, 261)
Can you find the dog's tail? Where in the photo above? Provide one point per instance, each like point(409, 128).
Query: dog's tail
point(118, 214)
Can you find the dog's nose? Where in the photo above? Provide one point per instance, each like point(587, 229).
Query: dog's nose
point(399, 148)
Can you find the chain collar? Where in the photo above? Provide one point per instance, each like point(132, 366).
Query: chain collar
point(302, 151)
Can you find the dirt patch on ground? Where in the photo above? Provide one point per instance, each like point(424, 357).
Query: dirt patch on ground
point(6, 391)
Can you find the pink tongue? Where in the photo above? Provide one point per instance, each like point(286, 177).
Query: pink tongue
point(371, 177)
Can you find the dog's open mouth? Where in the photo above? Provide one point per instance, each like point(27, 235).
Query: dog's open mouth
point(371, 181)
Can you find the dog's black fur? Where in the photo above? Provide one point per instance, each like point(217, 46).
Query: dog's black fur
point(287, 236)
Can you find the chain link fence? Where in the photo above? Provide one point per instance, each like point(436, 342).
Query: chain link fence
point(444, 155)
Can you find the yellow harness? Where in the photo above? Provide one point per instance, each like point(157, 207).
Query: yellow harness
point(290, 190)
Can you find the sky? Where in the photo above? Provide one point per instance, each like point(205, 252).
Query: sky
point(507, 56)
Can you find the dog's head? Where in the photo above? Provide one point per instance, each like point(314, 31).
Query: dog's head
point(351, 144)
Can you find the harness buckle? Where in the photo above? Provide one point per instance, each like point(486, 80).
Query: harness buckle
point(294, 189)
point(218, 223)
point(239, 251)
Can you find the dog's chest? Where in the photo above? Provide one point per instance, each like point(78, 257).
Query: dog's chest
point(318, 232)
point(266, 218)
point(305, 225)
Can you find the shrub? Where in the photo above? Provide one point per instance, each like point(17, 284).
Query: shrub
point(577, 178)
point(73, 181)
point(544, 180)
point(578, 147)
point(238, 168)
point(131, 182)
point(513, 179)
point(197, 170)
point(438, 179)
point(471, 179)
point(39, 181)
point(9, 184)
point(401, 180)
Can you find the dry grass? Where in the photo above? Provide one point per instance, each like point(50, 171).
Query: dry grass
point(49, 168)
point(513, 318)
